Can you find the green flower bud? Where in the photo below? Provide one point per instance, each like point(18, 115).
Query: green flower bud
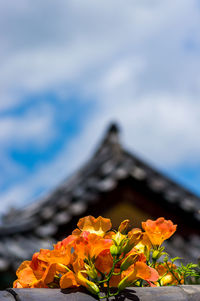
point(92, 274)
point(123, 284)
point(114, 250)
point(91, 271)
point(156, 254)
point(124, 226)
point(92, 287)
point(127, 247)
point(118, 238)
point(131, 259)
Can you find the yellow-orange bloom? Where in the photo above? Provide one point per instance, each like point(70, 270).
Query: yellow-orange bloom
point(159, 230)
point(91, 286)
point(68, 280)
point(123, 227)
point(144, 245)
point(91, 247)
point(78, 264)
point(138, 271)
point(93, 252)
point(39, 277)
point(166, 277)
point(65, 242)
point(62, 256)
point(104, 261)
point(98, 226)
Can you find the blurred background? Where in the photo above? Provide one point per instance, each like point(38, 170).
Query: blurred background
point(69, 69)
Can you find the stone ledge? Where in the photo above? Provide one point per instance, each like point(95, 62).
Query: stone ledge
point(177, 293)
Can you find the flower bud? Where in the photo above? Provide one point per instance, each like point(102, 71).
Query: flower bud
point(123, 284)
point(134, 237)
point(129, 261)
point(91, 271)
point(118, 238)
point(156, 254)
point(114, 250)
point(146, 253)
point(127, 247)
point(124, 226)
point(92, 287)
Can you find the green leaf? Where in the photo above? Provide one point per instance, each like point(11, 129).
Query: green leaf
point(175, 258)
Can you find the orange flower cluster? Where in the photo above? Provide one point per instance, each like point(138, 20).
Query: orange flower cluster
point(96, 257)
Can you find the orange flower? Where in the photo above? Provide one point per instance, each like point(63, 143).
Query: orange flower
point(139, 271)
point(40, 277)
point(104, 261)
point(25, 275)
point(124, 226)
point(91, 286)
point(65, 242)
point(16, 284)
point(90, 252)
point(61, 256)
point(78, 265)
point(166, 277)
point(144, 245)
point(159, 230)
point(91, 247)
point(68, 280)
point(43, 271)
point(134, 236)
point(98, 226)
point(49, 273)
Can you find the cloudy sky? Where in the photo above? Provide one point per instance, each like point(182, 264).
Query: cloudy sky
point(68, 68)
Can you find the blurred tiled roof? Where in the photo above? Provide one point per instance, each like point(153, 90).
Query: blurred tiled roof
point(26, 231)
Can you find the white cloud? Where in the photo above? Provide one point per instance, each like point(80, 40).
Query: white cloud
point(33, 130)
point(162, 128)
point(33, 127)
point(83, 39)
point(51, 174)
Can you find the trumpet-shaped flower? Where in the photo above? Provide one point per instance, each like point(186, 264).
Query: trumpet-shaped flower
point(104, 262)
point(91, 286)
point(134, 237)
point(144, 245)
point(159, 230)
point(61, 256)
point(167, 277)
point(98, 226)
point(39, 277)
point(65, 242)
point(139, 271)
point(123, 227)
point(91, 247)
point(68, 280)
point(95, 257)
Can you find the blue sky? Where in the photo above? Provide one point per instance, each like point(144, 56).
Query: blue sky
point(68, 68)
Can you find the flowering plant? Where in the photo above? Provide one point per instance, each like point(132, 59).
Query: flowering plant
point(98, 258)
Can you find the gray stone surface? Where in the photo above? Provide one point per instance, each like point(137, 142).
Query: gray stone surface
point(5, 296)
point(192, 291)
point(171, 293)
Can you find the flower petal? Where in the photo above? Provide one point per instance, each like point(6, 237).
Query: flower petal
point(98, 225)
point(159, 230)
point(68, 280)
